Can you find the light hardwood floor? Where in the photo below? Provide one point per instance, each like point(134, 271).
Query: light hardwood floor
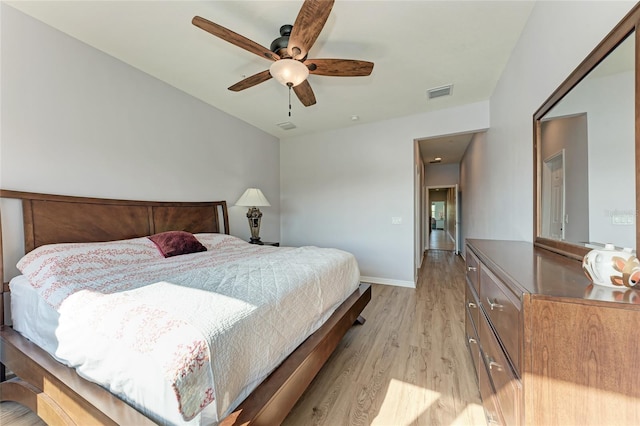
point(440, 240)
point(407, 365)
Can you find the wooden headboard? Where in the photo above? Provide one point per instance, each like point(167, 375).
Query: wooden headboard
point(52, 219)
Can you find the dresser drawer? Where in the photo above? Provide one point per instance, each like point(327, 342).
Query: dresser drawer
point(472, 340)
point(473, 270)
point(508, 389)
point(488, 397)
point(472, 304)
point(503, 309)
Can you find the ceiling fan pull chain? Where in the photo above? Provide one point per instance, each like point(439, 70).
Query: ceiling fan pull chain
point(290, 86)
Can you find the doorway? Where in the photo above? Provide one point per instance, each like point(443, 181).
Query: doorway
point(442, 222)
point(553, 196)
point(439, 158)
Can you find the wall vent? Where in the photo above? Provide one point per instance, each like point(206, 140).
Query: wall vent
point(438, 92)
point(287, 125)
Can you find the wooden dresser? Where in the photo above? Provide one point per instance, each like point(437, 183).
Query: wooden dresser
point(550, 348)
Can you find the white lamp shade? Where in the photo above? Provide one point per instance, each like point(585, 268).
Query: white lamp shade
point(289, 71)
point(252, 197)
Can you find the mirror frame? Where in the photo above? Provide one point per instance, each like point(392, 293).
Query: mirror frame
point(629, 24)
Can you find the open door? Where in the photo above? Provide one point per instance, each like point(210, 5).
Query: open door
point(553, 194)
point(457, 219)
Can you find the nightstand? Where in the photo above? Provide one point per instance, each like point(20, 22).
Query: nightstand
point(267, 243)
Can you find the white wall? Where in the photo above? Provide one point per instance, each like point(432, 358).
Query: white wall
point(498, 172)
point(341, 188)
point(476, 213)
point(76, 121)
point(441, 174)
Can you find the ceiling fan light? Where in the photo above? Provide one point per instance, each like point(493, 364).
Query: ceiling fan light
point(289, 71)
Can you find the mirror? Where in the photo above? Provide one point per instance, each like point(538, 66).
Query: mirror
point(587, 157)
point(586, 152)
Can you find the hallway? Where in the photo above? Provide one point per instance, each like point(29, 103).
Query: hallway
point(439, 240)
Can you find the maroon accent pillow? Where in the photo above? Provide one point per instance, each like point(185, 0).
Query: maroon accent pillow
point(175, 243)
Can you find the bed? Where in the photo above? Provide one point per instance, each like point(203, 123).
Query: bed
point(58, 394)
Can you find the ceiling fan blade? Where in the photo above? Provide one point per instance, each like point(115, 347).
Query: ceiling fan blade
point(251, 81)
point(339, 67)
point(310, 21)
point(234, 38)
point(305, 93)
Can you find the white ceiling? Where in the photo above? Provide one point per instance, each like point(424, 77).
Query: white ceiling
point(449, 149)
point(415, 45)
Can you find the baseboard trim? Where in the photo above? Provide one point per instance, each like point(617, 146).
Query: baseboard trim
point(387, 281)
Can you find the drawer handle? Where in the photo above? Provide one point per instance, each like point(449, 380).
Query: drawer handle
point(471, 268)
point(494, 305)
point(493, 364)
point(472, 305)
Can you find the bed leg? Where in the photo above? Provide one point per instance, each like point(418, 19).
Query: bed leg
point(360, 320)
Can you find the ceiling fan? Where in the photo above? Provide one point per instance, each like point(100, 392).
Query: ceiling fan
point(291, 67)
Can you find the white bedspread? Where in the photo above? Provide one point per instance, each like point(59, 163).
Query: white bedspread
point(212, 331)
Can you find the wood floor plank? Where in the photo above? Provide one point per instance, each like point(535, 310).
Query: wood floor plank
point(14, 414)
point(407, 365)
point(440, 240)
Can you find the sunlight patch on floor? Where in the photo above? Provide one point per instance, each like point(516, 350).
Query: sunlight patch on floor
point(467, 416)
point(394, 402)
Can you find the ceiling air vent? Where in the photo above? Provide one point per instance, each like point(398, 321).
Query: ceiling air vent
point(438, 92)
point(287, 125)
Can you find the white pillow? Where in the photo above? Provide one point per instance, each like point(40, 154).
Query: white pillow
point(215, 241)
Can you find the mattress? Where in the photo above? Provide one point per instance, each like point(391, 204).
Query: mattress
point(133, 380)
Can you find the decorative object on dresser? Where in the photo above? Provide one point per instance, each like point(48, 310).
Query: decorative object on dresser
point(253, 198)
point(612, 268)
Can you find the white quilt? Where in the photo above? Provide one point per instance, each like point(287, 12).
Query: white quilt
point(211, 329)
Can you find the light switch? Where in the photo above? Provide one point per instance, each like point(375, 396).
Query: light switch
point(622, 219)
point(396, 220)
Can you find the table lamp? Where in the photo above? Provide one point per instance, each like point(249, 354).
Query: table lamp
point(253, 198)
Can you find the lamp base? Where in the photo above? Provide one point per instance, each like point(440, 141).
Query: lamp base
point(254, 215)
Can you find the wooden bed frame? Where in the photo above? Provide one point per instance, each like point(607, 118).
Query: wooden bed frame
point(58, 395)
